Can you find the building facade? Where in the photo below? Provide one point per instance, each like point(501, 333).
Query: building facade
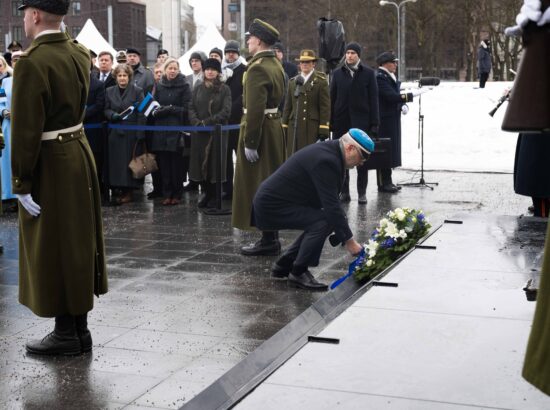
point(129, 26)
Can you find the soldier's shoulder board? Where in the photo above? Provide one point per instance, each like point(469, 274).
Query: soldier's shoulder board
point(258, 61)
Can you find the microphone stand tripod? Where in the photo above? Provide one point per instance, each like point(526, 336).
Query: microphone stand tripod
point(422, 183)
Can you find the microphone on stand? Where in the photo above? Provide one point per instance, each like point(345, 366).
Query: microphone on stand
point(299, 83)
point(429, 81)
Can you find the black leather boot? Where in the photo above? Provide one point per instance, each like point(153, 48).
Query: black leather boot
point(81, 322)
point(269, 245)
point(63, 341)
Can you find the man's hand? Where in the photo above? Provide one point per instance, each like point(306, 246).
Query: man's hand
point(353, 247)
point(251, 154)
point(405, 109)
point(116, 117)
point(32, 207)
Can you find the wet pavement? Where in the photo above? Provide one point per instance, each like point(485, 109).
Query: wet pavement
point(184, 307)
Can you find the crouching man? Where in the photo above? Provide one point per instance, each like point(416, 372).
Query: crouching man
point(303, 194)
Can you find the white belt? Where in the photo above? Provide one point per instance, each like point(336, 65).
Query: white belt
point(266, 111)
point(51, 135)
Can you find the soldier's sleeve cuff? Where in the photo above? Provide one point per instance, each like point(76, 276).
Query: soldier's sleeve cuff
point(408, 97)
point(20, 186)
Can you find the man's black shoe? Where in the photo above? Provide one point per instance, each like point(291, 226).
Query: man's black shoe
point(262, 249)
point(56, 345)
point(279, 272)
point(345, 197)
point(390, 188)
point(306, 281)
point(1, 249)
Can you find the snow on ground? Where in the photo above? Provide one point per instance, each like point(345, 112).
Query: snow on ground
point(459, 134)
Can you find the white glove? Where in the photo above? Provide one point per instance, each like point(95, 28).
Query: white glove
point(419, 91)
point(251, 154)
point(32, 207)
point(405, 109)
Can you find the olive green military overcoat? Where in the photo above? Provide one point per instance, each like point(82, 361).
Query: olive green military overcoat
point(536, 369)
point(61, 252)
point(263, 88)
point(314, 116)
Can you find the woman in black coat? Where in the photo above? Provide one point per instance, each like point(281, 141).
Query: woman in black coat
point(173, 94)
point(122, 143)
point(210, 105)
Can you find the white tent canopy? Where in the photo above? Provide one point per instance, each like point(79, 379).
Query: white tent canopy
point(210, 39)
point(92, 39)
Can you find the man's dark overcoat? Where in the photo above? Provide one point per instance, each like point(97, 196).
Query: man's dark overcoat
point(61, 252)
point(121, 142)
point(306, 185)
point(390, 102)
point(95, 107)
point(354, 100)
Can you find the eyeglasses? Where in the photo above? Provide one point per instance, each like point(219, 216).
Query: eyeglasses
point(362, 153)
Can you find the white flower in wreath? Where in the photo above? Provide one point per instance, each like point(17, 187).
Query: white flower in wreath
point(392, 231)
point(391, 214)
point(400, 214)
point(369, 263)
point(371, 247)
point(383, 223)
point(402, 234)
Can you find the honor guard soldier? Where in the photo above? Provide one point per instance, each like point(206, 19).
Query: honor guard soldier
point(261, 147)
point(61, 249)
point(306, 114)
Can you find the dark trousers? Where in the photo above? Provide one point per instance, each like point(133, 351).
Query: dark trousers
point(483, 79)
point(306, 249)
point(383, 177)
point(232, 143)
point(171, 170)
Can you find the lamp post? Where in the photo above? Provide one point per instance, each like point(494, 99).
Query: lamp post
point(398, 8)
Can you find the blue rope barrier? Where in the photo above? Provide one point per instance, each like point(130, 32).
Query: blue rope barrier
point(187, 128)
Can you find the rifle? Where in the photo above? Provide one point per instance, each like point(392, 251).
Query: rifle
point(500, 101)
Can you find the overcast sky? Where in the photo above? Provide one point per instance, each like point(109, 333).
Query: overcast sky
point(206, 11)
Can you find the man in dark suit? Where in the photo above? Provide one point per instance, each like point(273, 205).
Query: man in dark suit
point(93, 114)
point(303, 194)
point(392, 102)
point(354, 104)
point(105, 60)
point(234, 70)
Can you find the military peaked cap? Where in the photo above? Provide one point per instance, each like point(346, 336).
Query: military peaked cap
point(264, 31)
point(15, 44)
point(386, 57)
point(59, 7)
point(307, 55)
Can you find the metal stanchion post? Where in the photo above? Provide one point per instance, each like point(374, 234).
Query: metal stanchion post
point(218, 148)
